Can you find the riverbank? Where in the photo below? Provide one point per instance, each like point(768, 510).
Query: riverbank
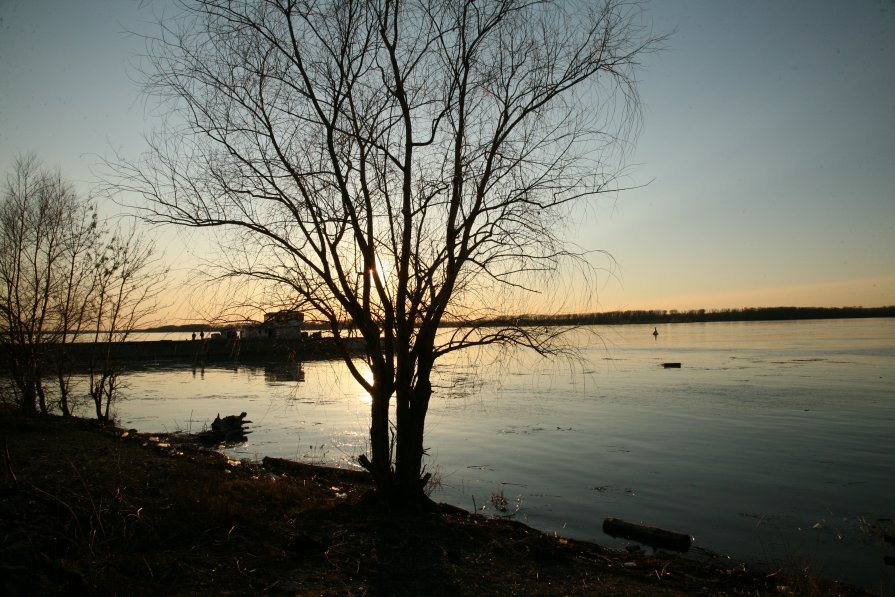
point(87, 509)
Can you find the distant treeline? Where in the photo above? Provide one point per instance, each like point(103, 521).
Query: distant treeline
point(700, 315)
point(643, 317)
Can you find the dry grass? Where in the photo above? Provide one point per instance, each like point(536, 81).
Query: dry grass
point(100, 511)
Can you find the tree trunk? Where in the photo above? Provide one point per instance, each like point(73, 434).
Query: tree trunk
point(380, 467)
point(96, 392)
point(110, 388)
point(404, 486)
point(62, 379)
point(29, 399)
point(41, 395)
point(411, 420)
point(24, 376)
point(64, 405)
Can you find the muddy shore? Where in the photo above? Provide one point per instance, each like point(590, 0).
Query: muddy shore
point(86, 509)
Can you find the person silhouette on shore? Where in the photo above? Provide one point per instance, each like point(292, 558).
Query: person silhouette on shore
point(655, 333)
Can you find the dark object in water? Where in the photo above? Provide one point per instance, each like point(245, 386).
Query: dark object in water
point(671, 365)
point(652, 536)
point(228, 429)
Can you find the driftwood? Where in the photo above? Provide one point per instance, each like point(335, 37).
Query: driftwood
point(332, 475)
point(653, 536)
point(229, 429)
point(671, 365)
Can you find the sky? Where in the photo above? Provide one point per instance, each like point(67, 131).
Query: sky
point(764, 170)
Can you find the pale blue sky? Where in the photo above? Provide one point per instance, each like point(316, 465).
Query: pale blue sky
point(768, 137)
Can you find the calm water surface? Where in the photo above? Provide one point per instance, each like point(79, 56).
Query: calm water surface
point(773, 443)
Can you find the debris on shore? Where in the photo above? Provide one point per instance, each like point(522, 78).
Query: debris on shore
point(230, 429)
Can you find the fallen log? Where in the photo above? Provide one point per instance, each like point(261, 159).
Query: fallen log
point(652, 536)
point(671, 365)
point(301, 469)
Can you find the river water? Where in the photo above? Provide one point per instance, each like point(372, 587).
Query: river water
point(772, 444)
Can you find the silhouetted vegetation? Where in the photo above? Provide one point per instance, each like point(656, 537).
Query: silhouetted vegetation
point(67, 277)
point(385, 165)
point(700, 316)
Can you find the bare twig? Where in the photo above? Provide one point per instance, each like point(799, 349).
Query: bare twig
point(8, 461)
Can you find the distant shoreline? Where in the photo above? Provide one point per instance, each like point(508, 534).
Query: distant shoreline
point(654, 316)
point(703, 316)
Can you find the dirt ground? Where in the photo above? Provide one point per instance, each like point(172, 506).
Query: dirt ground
point(97, 510)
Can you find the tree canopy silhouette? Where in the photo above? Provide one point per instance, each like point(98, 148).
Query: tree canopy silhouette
point(391, 165)
point(67, 277)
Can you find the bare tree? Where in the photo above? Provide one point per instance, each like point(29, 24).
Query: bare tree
point(127, 280)
point(62, 271)
point(32, 250)
point(392, 165)
point(80, 235)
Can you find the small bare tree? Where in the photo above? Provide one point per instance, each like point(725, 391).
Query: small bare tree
point(33, 215)
point(127, 280)
point(81, 234)
point(394, 164)
point(62, 271)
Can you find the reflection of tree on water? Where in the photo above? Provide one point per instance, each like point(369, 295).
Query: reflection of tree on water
point(280, 372)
